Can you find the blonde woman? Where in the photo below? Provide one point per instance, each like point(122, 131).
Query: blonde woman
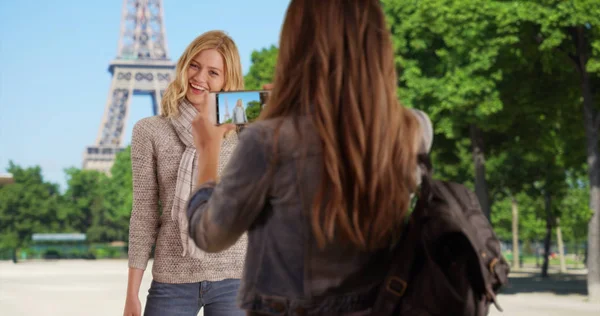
point(164, 158)
point(239, 114)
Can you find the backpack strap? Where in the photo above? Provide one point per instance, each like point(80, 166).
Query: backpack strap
point(398, 277)
point(403, 256)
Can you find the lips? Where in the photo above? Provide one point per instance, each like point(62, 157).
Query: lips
point(197, 89)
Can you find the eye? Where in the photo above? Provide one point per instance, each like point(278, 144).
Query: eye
point(194, 66)
point(214, 73)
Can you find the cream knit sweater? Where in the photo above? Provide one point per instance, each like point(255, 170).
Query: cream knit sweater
point(155, 155)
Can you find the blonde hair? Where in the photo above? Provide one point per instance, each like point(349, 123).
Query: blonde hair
point(327, 69)
point(218, 40)
point(239, 103)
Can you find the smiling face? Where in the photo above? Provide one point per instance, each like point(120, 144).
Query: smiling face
point(205, 73)
point(210, 62)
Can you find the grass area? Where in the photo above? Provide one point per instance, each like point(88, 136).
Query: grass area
point(67, 251)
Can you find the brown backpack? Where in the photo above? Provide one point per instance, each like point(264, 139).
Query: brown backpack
point(449, 260)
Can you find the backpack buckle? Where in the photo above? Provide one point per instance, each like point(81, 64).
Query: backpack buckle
point(396, 286)
point(493, 265)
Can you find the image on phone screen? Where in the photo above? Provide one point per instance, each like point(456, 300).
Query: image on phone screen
point(239, 107)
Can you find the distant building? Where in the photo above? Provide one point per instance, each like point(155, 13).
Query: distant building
point(6, 178)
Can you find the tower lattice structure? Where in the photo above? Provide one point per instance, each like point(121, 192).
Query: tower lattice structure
point(227, 116)
point(142, 67)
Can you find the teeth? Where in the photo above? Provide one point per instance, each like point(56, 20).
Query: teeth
point(198, 87)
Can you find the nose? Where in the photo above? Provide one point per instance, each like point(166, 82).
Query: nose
point(201, 75)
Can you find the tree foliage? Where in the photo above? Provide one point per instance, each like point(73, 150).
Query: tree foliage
point(263, 68)
point(94, 203)
point(29, 205)
point(253, 110)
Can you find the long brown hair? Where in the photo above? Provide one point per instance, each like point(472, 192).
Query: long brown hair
point(336, 64)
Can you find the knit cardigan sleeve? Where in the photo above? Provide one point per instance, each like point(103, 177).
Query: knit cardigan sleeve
point(144, 222)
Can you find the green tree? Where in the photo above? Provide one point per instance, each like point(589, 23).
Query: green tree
point(568, 32)
point(447, 53)
point(27, 206)
point(86, 199)
point(262, 69)
point(253, 110)
point(101, 204)
point(120, 195)
point(532, 138)
point(576, 214)
point(531, 222)
point(460, 60)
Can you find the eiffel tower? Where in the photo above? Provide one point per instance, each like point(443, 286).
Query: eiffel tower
point(142, 67)
point(227, 116)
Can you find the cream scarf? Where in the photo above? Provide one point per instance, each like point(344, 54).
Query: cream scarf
point(188, 172)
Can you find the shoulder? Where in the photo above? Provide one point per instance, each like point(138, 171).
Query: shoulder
point(257, 133)
point(151, 126)
point(268, 129)
point(152, 133)
point(262, 134)
point(286, 126)
point(287, 136)
point(152, 123)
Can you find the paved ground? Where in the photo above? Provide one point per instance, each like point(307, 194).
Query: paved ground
point(530, 295)
point(66, 287)
point(97, 288)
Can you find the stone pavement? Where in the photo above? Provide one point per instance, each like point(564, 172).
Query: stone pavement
point(97, 288)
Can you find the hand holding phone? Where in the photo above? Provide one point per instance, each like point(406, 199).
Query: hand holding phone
point(239, 107)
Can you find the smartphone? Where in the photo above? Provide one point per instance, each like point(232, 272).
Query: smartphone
point(239, 107)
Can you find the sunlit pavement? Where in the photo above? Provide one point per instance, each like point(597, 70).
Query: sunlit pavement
point(66, 287)
point(530, 295)
point(545, 304)
point(97, 288)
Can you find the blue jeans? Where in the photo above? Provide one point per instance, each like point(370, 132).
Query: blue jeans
point(218, 299)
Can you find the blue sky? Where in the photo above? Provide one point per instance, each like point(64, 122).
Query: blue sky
point(54, 57)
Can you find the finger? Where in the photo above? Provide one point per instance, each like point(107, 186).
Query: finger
point(227, 127)
point(200, 114)
point(200, 118)
point(268, 86)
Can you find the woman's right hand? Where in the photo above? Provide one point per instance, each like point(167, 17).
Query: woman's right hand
point(133, 307)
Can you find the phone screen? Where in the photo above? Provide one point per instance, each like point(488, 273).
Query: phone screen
point(239, 107)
